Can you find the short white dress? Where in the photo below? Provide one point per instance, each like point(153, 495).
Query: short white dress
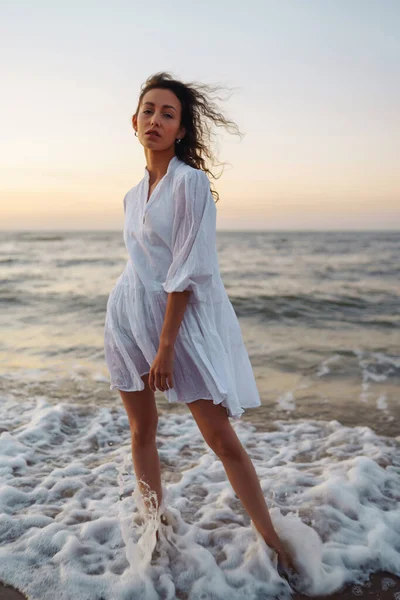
point(171, 242)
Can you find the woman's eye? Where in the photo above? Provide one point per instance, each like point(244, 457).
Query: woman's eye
point(166, 114)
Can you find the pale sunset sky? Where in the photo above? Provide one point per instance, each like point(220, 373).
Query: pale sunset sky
point(315, 90)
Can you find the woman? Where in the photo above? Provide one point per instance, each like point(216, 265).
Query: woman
point(170, 325)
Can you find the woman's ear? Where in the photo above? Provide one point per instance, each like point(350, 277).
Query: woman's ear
point(134, 122)
point(181, 133)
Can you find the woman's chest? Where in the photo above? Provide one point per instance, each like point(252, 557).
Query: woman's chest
point(149, 222)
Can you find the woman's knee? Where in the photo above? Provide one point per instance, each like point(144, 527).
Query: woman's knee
point(143, 436)
point(144, 427)
point(225, 443)
point(213, 422)
point(218, 433)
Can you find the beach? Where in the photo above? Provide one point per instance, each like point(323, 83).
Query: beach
point(319, 318)
point(382, 586)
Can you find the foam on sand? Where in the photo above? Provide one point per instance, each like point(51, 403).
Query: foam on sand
point(69, 507)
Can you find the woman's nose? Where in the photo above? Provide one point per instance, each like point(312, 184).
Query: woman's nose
point(155, 120)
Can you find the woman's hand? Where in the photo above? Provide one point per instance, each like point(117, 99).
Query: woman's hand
point(160, 376)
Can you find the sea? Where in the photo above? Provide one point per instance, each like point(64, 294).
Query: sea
point(320, 318)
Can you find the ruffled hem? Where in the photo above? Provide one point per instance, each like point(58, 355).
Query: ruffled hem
point(236, 415)
point(211, 361)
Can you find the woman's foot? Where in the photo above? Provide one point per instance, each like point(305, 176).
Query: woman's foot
point(164, 521)
point(282, 550)
point(286, 567)
point(285, 559)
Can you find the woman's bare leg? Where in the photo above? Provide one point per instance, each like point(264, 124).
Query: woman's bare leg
point(143, 419)
point(218, 433)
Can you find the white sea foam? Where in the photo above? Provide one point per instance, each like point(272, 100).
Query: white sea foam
point(286, 401)
point(324, 369)
point(333, 493)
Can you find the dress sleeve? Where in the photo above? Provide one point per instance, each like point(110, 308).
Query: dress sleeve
point(193, 244)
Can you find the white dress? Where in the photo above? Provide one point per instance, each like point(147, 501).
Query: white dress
point(171, 242)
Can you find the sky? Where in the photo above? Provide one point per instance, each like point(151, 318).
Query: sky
point(314, 86)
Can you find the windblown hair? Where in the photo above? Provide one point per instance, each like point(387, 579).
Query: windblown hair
point(198, 113)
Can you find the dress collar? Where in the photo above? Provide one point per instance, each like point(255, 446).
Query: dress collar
point(172, 163)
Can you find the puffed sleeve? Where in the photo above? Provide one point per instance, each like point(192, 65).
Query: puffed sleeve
point(193, 245)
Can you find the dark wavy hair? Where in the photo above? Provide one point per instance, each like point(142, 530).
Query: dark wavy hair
point(198, 113)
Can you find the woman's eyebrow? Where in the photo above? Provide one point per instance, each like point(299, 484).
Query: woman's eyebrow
point(163, 106)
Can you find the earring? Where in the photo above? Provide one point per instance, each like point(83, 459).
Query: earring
point(178, 141)
point(136, 133)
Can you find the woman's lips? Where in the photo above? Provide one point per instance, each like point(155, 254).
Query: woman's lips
point(152, 134)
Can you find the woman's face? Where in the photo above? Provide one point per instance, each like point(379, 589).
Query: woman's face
point(160, 110)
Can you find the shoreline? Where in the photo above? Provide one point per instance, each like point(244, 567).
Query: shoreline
point(381, 586)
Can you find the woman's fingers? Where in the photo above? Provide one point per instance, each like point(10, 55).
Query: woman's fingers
point(158, 381)
point(162, 381)
point(164, 386)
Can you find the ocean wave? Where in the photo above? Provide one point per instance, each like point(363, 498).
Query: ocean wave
point(309, 308)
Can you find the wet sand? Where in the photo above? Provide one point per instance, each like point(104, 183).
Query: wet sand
point(381, 586)
point(9, 593)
